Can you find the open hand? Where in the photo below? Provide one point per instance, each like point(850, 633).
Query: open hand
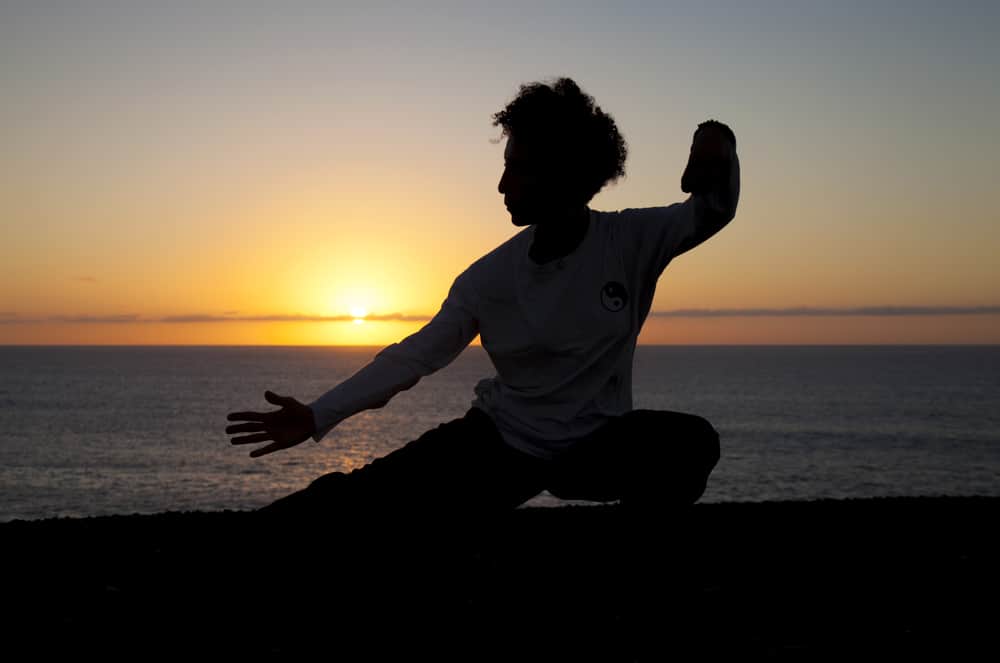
point(289, 426)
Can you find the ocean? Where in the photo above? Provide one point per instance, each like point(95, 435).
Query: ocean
point(103, 430)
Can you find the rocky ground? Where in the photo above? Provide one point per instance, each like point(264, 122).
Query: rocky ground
point(824, 580)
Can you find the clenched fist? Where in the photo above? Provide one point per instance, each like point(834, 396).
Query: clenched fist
point(711, 155)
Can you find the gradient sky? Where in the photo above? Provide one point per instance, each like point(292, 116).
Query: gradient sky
point(259, 173)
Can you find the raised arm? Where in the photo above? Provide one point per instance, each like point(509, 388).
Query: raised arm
point(653, 236)
point(712, 177)
point(401, 365)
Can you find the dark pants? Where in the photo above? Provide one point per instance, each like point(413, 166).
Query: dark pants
point(400, 536)
point(648, 459)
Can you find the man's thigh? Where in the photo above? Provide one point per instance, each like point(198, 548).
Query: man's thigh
point(461, 466)
point(642, 452)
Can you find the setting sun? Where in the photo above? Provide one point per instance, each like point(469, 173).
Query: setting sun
point(366, 208)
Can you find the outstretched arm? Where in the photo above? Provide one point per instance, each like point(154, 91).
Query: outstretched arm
point(401, 365)
point(397, 367)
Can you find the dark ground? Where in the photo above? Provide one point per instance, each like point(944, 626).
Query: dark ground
point(888, 578)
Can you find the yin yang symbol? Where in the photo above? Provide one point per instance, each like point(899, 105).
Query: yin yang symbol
point(613, 296)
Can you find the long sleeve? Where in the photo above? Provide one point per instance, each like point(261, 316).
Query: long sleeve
point(653, 236)
point(401, 365)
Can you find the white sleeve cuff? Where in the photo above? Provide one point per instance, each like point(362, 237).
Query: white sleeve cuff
point(322, 427)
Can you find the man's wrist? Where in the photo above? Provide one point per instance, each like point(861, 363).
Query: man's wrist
point(315, 427)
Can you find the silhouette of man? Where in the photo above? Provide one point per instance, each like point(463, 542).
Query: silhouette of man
point(558, 307)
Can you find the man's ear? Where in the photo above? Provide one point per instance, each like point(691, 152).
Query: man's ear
point(569, 182)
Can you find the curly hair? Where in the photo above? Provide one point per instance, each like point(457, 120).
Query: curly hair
point(578, 139)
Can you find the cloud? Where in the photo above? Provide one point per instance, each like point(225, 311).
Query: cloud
point(386, 317)
point(68, 319)
point(12, 317)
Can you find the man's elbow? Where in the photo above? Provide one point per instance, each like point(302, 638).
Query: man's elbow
point(707, 227)
point(717, 214)
point(720, 221)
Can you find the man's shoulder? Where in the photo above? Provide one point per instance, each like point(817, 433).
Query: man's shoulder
point(640, 213)
point(497, 260)
point(636, 224)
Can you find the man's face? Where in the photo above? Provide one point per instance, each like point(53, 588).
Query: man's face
point(529, 190)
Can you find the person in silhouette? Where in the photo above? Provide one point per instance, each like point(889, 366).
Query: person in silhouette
point(558, 307)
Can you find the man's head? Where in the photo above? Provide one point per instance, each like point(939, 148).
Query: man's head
point(561, 150)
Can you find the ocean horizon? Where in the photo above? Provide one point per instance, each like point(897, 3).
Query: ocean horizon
point(121, 429)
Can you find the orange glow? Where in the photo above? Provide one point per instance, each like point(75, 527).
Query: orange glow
point(297, 170)
point(946, 329)
point(823, 330)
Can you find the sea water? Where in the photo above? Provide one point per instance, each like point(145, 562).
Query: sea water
point(100, 430)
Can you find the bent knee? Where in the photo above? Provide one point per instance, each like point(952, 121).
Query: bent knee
point(702, 439)
point(711, 447)
point(689, 435)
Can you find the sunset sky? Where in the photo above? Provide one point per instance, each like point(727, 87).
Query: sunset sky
point(264, 173)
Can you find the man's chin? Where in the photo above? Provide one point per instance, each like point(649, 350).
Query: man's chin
point(519, 219)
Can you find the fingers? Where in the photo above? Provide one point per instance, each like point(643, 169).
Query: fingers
point(694, 177)
point(719, 128)
point(245, 428)
point(271, 397)
point(711, 144)
point(278, 400)
point(705, 171)
point(248, 439)
point(248, 416)
point(259, 423)
point(274, 446)
point(711, 148)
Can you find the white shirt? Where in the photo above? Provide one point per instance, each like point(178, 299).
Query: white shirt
point(561, 335)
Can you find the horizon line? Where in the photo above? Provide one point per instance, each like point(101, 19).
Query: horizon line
point(476, 345)
point(12, 317)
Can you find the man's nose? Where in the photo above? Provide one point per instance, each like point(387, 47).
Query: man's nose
point(502, 185)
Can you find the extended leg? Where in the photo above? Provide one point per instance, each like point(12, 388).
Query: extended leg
point(460, 469)
point(377, 545)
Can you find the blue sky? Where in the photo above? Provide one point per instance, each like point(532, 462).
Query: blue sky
point(145, 140)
